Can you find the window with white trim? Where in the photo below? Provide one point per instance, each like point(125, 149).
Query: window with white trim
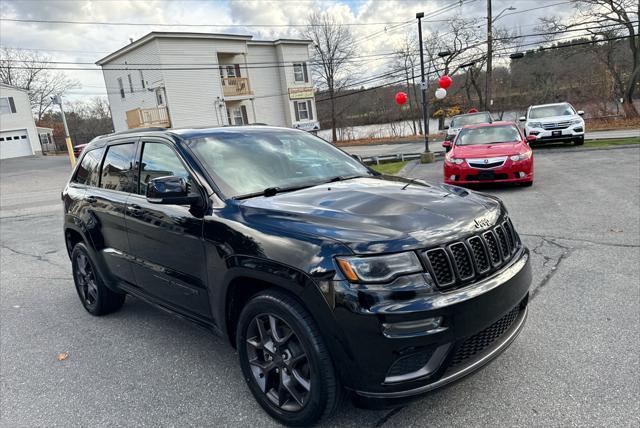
point(130, 83)
point(303, 110)
point(121, 87)
point(300, 73)
point(142, 79)
point(7, 105)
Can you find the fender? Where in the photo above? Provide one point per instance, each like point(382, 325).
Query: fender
point(75, 223)
point(307, 291)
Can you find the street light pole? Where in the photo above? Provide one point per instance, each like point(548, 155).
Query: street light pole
point(67, 138)
point(489, 74)
point(427, 156)
point(487, 82)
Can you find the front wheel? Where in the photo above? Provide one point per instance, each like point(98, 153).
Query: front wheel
point(578, 141)
point(284, 360)
point(95, 296)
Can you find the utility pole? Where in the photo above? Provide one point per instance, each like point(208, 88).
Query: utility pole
point(427, 156)
point(487, 83)
point(67, 138)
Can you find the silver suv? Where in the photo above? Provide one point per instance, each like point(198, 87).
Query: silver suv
point(457, 122)
point(558, 122)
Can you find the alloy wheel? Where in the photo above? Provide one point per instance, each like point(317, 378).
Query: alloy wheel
point(86, 280)
point(278, 362)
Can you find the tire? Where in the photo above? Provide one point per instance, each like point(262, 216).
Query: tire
point(578, 141)
point(94, 295)
point(300, 385)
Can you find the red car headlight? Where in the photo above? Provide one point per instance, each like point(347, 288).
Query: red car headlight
point(521, 156)
point(455, 161)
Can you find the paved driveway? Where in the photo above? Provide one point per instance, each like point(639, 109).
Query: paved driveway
point(576, 363)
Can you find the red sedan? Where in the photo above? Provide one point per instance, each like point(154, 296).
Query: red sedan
point(492, 152)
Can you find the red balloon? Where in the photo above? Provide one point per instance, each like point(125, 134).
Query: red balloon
point(445, 81)
point(401, 98)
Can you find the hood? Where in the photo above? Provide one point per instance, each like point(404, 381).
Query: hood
point(563, 118)
point(377, 214)
point(489, 150)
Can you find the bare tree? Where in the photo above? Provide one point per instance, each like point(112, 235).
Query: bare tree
point(616, 23)
point(406, 59)
point(31, 71)
point(333, 48)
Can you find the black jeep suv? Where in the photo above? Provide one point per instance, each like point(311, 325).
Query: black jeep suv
point(326, 276)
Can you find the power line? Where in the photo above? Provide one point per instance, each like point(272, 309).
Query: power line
point(160, 24)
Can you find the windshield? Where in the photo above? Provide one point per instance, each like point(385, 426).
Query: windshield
point(488, 135)
point(550, 111)
point(246, 162)
point(469, 119)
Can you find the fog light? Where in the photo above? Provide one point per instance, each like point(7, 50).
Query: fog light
point(452, 178)
point(415, 328)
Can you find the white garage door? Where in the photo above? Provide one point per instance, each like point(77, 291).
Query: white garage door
point(14, 144)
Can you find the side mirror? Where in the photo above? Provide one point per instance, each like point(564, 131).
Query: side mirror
point(357, 157)
point(446, 127)
point(171, 190)
point(580, 113)
point(522, 119)
point(447, 145)
point(531, 138)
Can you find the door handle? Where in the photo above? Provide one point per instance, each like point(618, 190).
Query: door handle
point(91, 199)
point(134, 209)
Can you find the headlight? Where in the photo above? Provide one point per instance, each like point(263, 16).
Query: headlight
point(379, 268)
point(453, 160)
point(534, 124)
point(521, 156)
point(576, 121)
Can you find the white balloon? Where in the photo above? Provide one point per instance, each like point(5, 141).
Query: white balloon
point(441, 93)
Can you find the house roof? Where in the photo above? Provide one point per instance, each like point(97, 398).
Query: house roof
point(188, 35)
point(14, 87)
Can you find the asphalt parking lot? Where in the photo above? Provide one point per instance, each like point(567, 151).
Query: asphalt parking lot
point(575, 364)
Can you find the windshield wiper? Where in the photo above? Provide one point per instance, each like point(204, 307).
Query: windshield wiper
point(342, 178)
point(272, 191)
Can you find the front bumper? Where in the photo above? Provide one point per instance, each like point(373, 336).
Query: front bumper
point(559, 135)
point(470, 315)
point(510, 172)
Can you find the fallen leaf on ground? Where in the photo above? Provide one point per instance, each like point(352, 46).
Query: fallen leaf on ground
point(63, 356)
point(615, 230)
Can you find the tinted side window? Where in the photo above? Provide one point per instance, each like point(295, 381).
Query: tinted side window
point(159, 160)
point(88, 171)
point(117, 168)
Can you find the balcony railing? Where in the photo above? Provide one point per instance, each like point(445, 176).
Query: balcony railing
point(147, 117)
point(234, 86)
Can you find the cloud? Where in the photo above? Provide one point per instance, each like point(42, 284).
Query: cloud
point(87, 43)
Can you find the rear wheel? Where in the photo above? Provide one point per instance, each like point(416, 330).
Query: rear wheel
point(94, 295)
point(284, 360)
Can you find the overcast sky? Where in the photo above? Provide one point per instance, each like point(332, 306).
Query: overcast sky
point(88, 43)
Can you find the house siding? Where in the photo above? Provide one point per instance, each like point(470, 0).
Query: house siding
point(141, 97)
point(267, 87)
point(22, 118)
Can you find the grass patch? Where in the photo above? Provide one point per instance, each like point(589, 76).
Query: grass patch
point(590, 143)
point(611, 142)
point(389, 168)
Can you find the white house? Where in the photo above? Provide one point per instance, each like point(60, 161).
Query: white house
point(200, 79)
point(18, 135)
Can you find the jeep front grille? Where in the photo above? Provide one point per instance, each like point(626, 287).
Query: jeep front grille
point(480, 255)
